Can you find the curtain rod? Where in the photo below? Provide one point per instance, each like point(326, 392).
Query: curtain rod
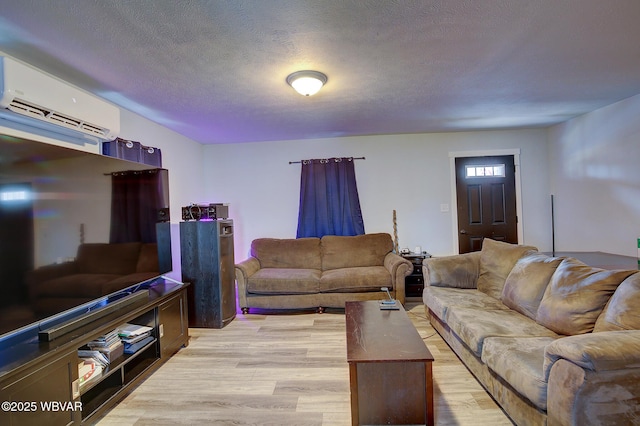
point(354, 158)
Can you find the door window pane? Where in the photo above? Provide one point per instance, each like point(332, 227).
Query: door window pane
point(490, 170)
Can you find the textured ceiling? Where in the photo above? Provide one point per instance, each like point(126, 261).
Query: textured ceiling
point(215, 70)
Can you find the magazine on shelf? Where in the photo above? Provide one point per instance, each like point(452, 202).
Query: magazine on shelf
point(108, 340)
point(131, 330)
point(134, 336)
point(109, 344)
point(132, 340)
point(96, 356)
point(135, 347)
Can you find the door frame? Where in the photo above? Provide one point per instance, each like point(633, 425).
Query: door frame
point(454, 199)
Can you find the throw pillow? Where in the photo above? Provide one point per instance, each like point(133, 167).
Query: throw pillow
point(526, 283)
point(496, 261)
point(622, 312)
point(576, 296)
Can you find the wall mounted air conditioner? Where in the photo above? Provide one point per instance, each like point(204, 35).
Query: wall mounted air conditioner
point(32, 98)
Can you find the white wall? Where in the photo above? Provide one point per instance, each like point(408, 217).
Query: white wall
point(408, 173)
point(595, 165)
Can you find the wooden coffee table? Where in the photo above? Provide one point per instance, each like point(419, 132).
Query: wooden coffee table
point(389, 367)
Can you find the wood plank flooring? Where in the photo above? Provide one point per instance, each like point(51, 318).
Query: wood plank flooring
point(285, 369)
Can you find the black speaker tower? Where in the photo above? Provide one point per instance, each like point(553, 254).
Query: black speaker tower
point(207, 261)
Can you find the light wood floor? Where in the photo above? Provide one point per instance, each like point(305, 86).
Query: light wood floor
point(285, 369)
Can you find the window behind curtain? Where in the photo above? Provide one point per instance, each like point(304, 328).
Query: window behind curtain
point(329, 202)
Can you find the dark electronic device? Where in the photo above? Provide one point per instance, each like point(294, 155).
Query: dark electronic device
point(205, 212)
point(83, 177)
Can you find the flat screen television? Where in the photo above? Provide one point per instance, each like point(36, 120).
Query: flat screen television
point(52, 200)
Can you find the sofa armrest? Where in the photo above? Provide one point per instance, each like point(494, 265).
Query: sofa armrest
point(248, 267)
point(460, 270)
point(606, 394)
point(244, 270)
point(602, 351)
point(399, 268)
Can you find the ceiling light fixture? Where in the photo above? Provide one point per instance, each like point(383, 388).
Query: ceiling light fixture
point(307, 83)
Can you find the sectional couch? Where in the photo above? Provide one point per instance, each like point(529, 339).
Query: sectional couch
point(553, 340)
point(320, 273)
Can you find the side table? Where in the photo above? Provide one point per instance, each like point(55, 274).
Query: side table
point(414, 283)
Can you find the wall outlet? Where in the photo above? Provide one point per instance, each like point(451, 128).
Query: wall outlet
point(444, 208)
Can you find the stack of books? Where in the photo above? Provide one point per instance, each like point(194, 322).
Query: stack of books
point(134, 337)
point(109, 344)
point(96, 356)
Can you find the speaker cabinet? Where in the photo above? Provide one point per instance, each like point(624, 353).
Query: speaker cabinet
point(207, 261)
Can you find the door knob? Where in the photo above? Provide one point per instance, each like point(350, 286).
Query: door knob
point(462, 231)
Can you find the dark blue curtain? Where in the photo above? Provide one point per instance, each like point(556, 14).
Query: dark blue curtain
point(329, 203)
point(136, 199)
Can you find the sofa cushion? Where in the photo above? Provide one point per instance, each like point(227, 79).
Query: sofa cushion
point(473, 326)
point(622, 312)
point(104, 258)
point(526, 283)
point(439, 299)
point(287, 253)
point(354, 251)
point(496, 262)
point(284, 281)
point(576, 295)
point(458, 270)
point(520, 362)
point(350, 280)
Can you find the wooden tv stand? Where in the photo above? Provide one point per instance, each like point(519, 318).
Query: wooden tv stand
point(39, 380)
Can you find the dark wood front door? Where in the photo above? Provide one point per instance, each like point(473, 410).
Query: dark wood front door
point(486, 196)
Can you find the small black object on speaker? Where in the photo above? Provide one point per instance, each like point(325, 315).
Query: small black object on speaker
point(163, 214)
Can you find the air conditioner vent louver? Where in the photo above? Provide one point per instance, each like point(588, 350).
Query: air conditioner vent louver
point(65, 121)
point(94, 129)
point(26, 109)
point(31, 100)
point(21, 107)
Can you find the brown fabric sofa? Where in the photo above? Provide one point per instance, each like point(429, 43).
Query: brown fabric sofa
point(98, 270)
point(553, 340)
point(320, 273)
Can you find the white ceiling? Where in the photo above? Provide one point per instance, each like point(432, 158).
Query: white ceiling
point(215, 70)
